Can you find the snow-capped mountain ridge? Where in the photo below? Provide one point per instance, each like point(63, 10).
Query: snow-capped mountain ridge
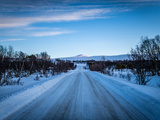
point(97, 58)
point(81, 55)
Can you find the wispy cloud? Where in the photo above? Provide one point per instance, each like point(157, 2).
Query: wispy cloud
point(4, 40)
point(140, 0)
point(8, 7)
point(70, 16)
point(34, 31)
point(49, 33)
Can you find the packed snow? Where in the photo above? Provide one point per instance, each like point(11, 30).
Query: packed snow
point(81, 94)
point(26, 83)
point(17, 101)
point(152, 88)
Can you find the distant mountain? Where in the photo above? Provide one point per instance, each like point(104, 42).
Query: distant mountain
point(81, 55)
point(97, 58)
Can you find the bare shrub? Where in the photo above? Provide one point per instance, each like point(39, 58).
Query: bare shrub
point(128, 76)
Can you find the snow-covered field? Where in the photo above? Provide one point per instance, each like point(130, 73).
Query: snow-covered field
point(154, 80)
point(80, 94)
point(152, 88)
point(26, 83)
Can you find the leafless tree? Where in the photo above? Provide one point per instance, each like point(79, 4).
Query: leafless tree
point(146, 57)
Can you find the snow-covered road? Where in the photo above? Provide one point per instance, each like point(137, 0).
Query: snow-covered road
point(88, 95)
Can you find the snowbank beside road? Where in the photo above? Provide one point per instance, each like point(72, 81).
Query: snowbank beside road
point(15, 102)
point(144, 98)
point(69, 91)
point(147, 89)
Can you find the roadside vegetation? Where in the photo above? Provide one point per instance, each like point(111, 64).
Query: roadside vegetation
point(17, 64)
point(144, 62)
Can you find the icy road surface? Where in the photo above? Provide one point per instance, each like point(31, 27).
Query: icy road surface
point(86, 95)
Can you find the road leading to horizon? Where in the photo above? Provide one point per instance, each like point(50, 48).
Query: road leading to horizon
point(87, 95)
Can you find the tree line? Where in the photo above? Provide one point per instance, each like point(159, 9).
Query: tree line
point(144, 61)
point(18, 64)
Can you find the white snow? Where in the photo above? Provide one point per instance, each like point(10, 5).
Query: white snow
point(27, 82)
point(152, 88)
point(138, 95)
point(17, 101)
point(83, 93)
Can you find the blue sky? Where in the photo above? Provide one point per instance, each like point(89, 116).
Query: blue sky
point(71, 27)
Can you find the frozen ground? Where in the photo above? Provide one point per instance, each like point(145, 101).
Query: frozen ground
point(152, 88)
point(154, 80)
point(26, 83)
point(82, 94)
